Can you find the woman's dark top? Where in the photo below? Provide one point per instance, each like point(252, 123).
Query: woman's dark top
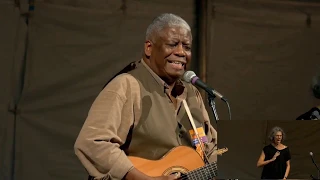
point(277, 168)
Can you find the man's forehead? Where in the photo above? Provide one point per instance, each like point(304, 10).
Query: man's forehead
point(171, 32)
point(176, 30)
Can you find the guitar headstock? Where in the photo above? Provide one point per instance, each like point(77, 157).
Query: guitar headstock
point(221, 151)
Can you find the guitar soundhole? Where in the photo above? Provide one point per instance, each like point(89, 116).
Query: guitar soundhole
point(174, 170)
point(181, 174)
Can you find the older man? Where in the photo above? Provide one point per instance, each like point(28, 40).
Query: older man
point(141, 113)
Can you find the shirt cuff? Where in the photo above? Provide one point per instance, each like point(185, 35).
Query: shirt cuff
point(121, 167)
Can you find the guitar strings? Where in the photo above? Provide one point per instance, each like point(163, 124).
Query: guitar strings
point(194, 174)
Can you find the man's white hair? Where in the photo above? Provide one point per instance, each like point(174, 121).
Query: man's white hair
point(163, 21)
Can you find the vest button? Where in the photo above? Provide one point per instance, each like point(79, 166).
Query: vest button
point(180, 135)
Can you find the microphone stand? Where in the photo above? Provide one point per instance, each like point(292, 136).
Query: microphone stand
point(212, 104)
point(318, 175)
point(318, 170)
point(315, 178)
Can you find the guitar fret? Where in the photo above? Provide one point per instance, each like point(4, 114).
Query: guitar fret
point(213, 168)
point(208, 172)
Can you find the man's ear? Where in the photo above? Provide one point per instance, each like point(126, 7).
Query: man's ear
point(148, 48)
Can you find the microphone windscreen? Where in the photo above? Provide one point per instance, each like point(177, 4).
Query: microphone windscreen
point(188, 75)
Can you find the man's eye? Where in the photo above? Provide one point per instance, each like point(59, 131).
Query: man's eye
point(187, 47)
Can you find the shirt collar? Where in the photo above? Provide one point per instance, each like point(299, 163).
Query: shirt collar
point(178, 88)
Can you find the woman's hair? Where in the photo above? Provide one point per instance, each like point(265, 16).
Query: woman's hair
point(273, 132)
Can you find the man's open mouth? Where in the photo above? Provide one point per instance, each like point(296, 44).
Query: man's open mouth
point(177, 62)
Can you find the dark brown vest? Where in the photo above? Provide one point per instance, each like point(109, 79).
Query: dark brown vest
point(158, 129)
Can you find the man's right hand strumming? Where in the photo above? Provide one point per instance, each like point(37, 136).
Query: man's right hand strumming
point(135, 174)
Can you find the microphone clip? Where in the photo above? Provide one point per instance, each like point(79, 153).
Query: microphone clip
point(212, 105)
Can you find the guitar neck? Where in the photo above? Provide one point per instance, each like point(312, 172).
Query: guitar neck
point(206, 172)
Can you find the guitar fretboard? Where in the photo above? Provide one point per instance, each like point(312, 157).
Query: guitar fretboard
point(206, 172)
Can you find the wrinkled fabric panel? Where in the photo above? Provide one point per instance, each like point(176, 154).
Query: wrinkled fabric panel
point(263, 58)
point(13, 36)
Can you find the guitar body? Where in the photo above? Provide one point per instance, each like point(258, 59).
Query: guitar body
point(179, 159)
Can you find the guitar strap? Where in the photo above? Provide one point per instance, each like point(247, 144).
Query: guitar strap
point(195, 133)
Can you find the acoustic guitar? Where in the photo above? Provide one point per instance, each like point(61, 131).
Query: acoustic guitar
point(181, 159)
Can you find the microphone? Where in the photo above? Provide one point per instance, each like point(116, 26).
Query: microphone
point(191, 77)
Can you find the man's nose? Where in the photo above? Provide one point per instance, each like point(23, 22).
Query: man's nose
point(180, 51)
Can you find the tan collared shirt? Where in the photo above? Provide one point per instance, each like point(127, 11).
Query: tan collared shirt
point(108, 123)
